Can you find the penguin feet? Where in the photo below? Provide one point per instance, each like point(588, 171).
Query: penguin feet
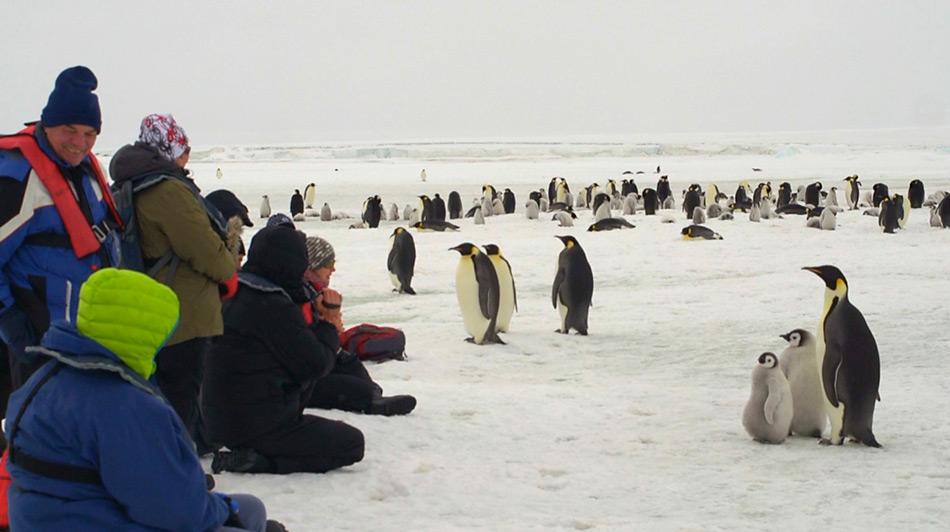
point(827, 441)
point(470, 339)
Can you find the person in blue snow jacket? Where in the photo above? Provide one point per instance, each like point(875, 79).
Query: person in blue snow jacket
point(93, 444)
point(57, 218)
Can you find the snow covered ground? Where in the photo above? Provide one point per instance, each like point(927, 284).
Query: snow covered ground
point(637, 426)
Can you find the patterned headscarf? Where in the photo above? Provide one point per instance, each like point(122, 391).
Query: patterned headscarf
point(319, 253)
point(164, 134)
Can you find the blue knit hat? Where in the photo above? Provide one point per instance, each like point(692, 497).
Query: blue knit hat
point(72, 100)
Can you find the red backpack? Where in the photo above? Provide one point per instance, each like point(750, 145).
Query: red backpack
point(374, 342)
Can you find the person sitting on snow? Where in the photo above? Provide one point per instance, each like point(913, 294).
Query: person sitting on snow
point(260, 372)
point(93, 443)
point(348, 386)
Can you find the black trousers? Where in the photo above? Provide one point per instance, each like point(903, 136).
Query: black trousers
point(311, 445)
point(347, 387)
point(179, 374)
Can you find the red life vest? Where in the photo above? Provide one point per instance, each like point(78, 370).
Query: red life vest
point(81, 236)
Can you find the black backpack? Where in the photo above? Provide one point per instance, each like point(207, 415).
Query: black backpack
point(130, 248)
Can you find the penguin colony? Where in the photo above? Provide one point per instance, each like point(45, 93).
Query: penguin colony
point(823, 384)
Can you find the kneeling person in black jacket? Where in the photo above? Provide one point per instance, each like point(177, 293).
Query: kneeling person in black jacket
point(260, 372)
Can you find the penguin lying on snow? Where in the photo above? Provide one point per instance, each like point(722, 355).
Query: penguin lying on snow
point(609, 224)
point(401, 262)
point(849, 363)
point(699, 232)
point(768, 413)
point(563, 218)
point(573, 287)
point(476, 287)
point(435, 226)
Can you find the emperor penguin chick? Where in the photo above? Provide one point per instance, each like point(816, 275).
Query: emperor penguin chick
point(768, 414)
point(476, 287)
point(799, 363)
point(402, 261)
point(573, 287)
point(507, 295)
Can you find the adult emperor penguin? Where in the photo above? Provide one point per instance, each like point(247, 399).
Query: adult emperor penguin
point(768, 414)
point(573, 287)
point(309, 195)
point(662, 189)
point(813, 194)
point(916, 194)
point(265, 206)
point(852, 191)
point(943, 211)
point(799, 364)
point(438, 208)
point(562, 192)
point(609, 224)
point(402, 260)
point(507, 295)
point(699, 232)
point(650, 201)
point(455, 205)
point(879, 192)
point(372, 211)
point(296, 204)
point(784, 194)
point(848, 362)
point(425, 208)
point(508, 201)
point(476, 287)
point(889, 217)
point(691, 200)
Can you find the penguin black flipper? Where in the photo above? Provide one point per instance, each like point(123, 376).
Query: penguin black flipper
point(831, 366)
point(556, 287)
point(488, 295)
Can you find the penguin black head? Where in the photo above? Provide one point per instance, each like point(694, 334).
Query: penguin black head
point(687, 230)
point(568, 240)
point(768, 360)
point(296, 191)
point(831, 275)
point(466, 249)
point(397, 230)
point(794, 337)
point(492, 249)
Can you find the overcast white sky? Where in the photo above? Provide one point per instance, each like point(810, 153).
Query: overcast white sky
point(308, 71)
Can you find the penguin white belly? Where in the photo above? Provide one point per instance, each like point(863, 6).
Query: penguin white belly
point(835, 414)
point(506, 300)
point(466, 288)
point(562, 310)
point(394, 280)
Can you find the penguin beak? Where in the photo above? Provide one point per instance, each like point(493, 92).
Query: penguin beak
point(784, 336)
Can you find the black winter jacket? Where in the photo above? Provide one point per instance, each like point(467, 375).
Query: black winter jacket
point(258, 374)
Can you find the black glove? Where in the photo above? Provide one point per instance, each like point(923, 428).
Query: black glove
point(344, 357)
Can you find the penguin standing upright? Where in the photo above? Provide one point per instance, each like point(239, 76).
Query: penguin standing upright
point(265, 206)
point(852, 191)
point(455, 205)
point(402, 261)
point(784, 194)
point(438, 208)
point(848, 362)
point(309, 195)
point(508, 201)
point(531, 210)
point(425, 208)
point(476, 287)
point(372, 211)
point(691, 200)
point(712, 193)
point(296, 204)
point(915, 193)
point(507, 295)
point(800, 365)
point(650, 201)
point(832, 199)
point(942, 210)
point(573, 287)
point(325, 213)
point(394, 213)
point(889, 216)
point(768, 413)
point(562, 193)
point(813, 194)
point(662, 190)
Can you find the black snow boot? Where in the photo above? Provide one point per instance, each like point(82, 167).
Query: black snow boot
point(241, 461)
point(396, 405)
point(274, 526)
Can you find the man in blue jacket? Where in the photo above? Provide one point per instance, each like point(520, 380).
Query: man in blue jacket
point(93, 444)
point(56, 216)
